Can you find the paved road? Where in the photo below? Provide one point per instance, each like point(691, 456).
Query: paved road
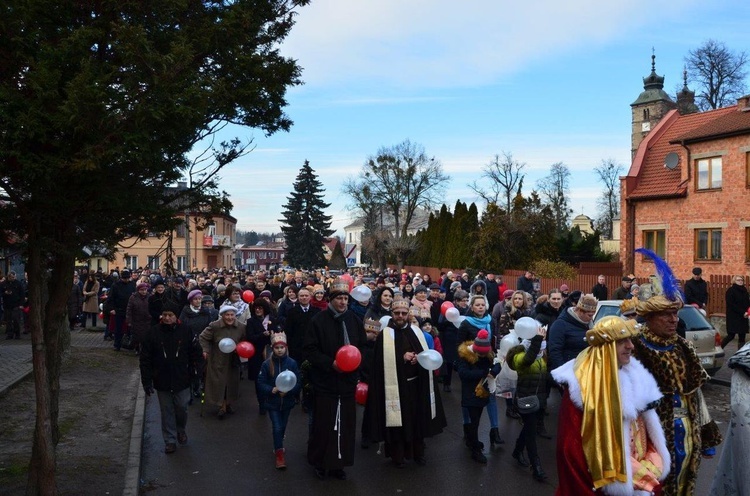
point(235, 456)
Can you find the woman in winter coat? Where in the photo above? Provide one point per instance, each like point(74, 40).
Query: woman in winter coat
point(90, 299)
point(476, 368)
point(382, 306)
point(319, 298)
point(260, 327)
point(449, 338)
point(222, 369)
point(548, 308)
point(137, 315)
point(478, 318)
point(738, 303)
point(528, 361)
point(515, 308)
point(197, 318)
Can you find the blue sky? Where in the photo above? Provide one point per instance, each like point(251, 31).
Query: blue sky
point(548, 81)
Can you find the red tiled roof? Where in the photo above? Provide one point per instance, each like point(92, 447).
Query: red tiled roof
point(726, 124)
point(653, 179)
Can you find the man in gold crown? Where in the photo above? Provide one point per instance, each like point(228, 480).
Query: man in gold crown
point(672, 360)
point(610, 437)
point(403, 399)
point(334, 418)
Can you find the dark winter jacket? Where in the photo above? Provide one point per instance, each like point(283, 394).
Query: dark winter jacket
point(473, 368)
point(600, 291)
point(566, 338)
point(532, 370)
point(696, 292)
point(167, 353)
point(267, 381)
point(197, 321)
point(120, 295)
point(493, 292)
point(322, 343)
point(155, 306)
point(738, 302)
point(12, 294)
point(297, 324)
point(545, 314)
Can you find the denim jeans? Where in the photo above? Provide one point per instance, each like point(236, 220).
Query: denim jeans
point(491, 413)
point(173, 408)
point(279, 419)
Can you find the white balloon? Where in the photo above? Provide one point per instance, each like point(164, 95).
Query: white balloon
point(526, 327)
point(361, 293)
point(227, 345)
point(430, 359)
point(452, 314)
point(101, 307)
point(508, 342)
point(286, 381)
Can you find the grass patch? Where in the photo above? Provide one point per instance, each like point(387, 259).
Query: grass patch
point(14, 471)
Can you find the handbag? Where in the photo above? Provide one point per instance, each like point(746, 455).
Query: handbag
point(527, 405)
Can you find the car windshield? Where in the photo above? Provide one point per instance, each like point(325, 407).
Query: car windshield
point(694, 320)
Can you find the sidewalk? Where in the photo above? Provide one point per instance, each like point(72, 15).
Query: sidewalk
point(15, 354)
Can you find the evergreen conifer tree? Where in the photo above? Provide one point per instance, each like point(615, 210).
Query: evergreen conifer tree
point(304, 224)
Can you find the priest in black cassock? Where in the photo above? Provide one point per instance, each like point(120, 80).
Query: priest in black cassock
point(403, 399)
point(331, 444)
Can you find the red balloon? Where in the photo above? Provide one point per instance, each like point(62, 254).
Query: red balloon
point(360, 394)
point(101, 315)
point(245, 349)
point(248, 296)
point(445, 306)
point(348, 358)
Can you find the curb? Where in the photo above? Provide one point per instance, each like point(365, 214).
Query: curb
point(721, 382)
point(16, 380)
point(133, 470)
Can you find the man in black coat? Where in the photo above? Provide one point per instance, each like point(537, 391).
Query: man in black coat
point(167, 355)
point(12, 293)
point(600, 290)
point(696, 289)
point(297, 323)
point(493, 291)
point(118, 299)
point(526, 282)
point(331, 444)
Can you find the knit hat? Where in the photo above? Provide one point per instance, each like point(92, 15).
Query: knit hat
point(697, 271)
point(564, 288)
point(278, 338)
point(482, 342)
point(587, 303)
point(227, 308)
point(142, 286)
point(207, 298)
point(507, 293)
point(265, 294)
point(420, 289)
point(194, 293)
point(455, 285)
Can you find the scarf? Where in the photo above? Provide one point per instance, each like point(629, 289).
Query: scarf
point(390, 376)
point(480, 322)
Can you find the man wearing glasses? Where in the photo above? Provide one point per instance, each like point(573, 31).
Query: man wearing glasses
point(403, 400)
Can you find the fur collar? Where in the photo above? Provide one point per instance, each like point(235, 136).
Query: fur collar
point(638, 393)
point(466, 352)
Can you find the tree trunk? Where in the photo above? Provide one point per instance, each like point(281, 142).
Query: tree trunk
point(41, 479)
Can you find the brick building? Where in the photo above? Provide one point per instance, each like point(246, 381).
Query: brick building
point(687, 192)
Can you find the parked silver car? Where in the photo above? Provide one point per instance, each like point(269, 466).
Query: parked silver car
point(698, 330)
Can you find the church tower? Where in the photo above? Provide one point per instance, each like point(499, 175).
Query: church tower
point(650, 107)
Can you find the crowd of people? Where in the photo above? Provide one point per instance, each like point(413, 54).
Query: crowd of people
point(632, 419)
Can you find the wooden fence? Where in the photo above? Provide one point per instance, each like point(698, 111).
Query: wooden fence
point(587, 277)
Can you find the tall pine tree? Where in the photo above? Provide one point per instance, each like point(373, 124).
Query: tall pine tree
point(304, 224)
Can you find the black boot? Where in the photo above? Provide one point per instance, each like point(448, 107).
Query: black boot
point(541, 431)
point(466, 436)
point(519, 456)
point(495, 437)
point(477, 455)
point(536, 470)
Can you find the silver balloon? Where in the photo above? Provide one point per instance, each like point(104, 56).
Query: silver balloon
point(508, 342)
point(361, 293)
point(526, 327)
point(452, 315)
point(286, 381)
point(430, 359)
point(227, 345)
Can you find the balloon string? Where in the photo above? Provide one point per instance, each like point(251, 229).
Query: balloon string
point(337, 426)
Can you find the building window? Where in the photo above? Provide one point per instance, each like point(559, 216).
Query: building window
point(646, 114)
point(656, 241)
point(131, 262)
point(180, 229)
point(153, 263)
point(708, 173)
point(181, 264)
point(747, 169)
point(708, 244)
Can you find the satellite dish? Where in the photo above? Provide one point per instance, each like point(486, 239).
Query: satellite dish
point(671, 161)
